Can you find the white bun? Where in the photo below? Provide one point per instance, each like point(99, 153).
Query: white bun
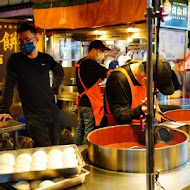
point(38, 167)
point(22, 185)
point(46, 183)
point(39, 153)
point(55, 165)
point(7, 159)
point(70, 165)
point(39, 160)
point(22, 168)
point(55, 152)
point(74, 161)
point(54, 159)
point(69, 158)
point(24, 158)
point(69, 150)
point(4, 169)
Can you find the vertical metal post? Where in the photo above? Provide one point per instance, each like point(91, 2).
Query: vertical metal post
point(150, 179)
point(184, 72)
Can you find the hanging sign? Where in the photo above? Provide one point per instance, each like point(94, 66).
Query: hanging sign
point(177, 11)
point(8, 45)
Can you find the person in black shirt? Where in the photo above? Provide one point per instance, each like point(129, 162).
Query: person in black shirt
point(123, 99)
point(88, 75)
point(29, 69)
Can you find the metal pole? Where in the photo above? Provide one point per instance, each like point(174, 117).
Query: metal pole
point(44, 40)
point(150, 179)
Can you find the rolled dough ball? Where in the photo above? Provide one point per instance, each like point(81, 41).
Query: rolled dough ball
point(4, 169)
point(69, 150)
point(46, 183)
point(70, 165)
point(55, 165)
point(39, 154)
point(38, 166)
point(39, 160)
point(24, 158)
point(54, 158)
point(22, 185)
point(55, 152)
point(22, 167)
point(7, 159)
point(69, 158)
point(73, 160)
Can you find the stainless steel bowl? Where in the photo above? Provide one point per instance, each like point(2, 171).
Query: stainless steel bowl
point(134, 160)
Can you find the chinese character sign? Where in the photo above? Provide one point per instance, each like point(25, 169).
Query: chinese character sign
point(9, 41)
point(8, 45)
point(177, 11)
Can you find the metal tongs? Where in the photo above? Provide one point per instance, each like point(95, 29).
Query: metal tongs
point(171, 123)
point(165, 116)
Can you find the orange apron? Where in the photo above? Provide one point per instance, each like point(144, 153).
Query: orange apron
point(95, 97)
point(138, 94)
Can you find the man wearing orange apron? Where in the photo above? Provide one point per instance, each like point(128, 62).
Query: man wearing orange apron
point(90, 101)
point(125, 92)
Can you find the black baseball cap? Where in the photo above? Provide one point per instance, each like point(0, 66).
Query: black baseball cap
point(165, 79)
point(97, 44)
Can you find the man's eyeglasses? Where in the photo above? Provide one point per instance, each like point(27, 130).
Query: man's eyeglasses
point(26, 40)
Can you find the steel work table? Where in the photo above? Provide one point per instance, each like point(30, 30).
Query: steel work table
point(171, 104)
point(100, 179)
point(12, 126)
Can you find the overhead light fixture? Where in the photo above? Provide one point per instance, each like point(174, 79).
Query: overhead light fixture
point(99, 32)
point(136, 35)
point(110, 42)
point(129, 39)
point(132, 29)
point(103, 37)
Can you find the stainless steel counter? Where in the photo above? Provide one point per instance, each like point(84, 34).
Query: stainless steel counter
point(171, 104)
point(100, 179)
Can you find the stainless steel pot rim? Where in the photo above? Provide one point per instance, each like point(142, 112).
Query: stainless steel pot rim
point(142, 149)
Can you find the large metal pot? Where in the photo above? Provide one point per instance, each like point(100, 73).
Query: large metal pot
point(180, 115)
point(134, 160)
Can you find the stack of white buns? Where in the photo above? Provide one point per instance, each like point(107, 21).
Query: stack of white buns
point(38, 161)
point(35, 184)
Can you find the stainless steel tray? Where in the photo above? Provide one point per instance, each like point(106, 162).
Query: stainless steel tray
point(66, 183)
point(44, 174)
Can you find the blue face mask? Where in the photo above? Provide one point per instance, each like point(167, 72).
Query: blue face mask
point(27, 48)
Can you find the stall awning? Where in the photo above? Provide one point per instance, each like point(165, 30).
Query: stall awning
point(73, 14)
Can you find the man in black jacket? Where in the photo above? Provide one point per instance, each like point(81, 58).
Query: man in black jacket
point(29, 69)
point(125, 99)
